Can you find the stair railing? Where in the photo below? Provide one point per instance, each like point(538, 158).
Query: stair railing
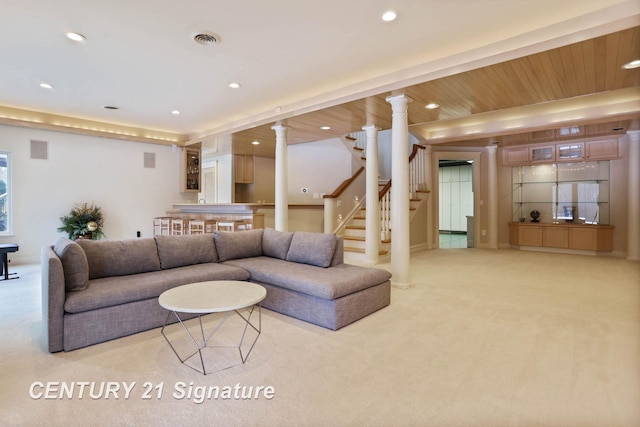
point(344, 202)
point(417, 183)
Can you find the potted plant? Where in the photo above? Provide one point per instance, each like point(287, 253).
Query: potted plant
point(84, 221)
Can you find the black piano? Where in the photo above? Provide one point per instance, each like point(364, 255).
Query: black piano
point(5, 248)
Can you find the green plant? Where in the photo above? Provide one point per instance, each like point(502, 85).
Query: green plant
point(83, 221)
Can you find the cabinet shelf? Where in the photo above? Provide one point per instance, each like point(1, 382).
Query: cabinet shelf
point(562, 192)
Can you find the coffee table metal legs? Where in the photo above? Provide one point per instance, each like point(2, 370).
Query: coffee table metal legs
point(203, 341)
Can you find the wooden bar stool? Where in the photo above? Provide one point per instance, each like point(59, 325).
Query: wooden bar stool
point(162, 225)
point(179, 227)
point(200, 226)
point(231, 225)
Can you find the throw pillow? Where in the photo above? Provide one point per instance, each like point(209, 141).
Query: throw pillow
point(74, 264)
point(177, 251)
point(312, 248)
point(120, 257)
point(238, 244)
point(275, 244)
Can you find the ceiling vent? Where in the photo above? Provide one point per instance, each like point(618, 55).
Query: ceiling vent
point(206, 39)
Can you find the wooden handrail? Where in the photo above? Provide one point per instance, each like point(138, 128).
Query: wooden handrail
point(414, 153)
point(384, 190)
point(338, 191)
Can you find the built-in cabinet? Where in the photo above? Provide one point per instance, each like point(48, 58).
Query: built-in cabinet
point(587, 237)
point(566, 152)
point(191, 170)
point(243, 169)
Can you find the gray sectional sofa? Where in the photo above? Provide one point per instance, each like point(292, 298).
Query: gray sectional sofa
point(95, 291)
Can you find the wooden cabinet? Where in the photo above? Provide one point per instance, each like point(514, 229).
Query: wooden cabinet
point(598, 238)
point(243, 169)
point(603, 149)
point(567, 152)
point(572, 152)
point(191, 170)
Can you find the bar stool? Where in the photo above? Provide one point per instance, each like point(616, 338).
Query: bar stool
point(200, 226)
point(179, 227)
point(231, 225)
point(162, 225)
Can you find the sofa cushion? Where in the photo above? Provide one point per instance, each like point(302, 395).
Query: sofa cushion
point(275, 244)
point(238, 244)
point(120, 257)
point(74, 264)
point(312, 248)
point(178, 251)
point(110, 291)
point(326, 283)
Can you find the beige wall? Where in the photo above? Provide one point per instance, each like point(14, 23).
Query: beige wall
point(108, 172)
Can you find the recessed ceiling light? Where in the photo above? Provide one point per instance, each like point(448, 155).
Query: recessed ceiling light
point(234, 85)
point(76, 37)
point(389, 16)
point(632, 64)
point(175, 112)
point(325, 127)
point(111, 107)
point(431, 106)
point(256, 142)
point(46, 85)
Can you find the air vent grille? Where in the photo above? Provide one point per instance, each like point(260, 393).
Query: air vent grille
point(205, 39)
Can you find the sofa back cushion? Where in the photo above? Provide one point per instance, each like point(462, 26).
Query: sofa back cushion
point(275, 244)
point(74, 264)
point(312, 248)
point(238, 244)
point(178, 251)
point(120, 257)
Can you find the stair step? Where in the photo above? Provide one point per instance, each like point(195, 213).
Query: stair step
point(357, 238)
point(359, 217)
point(351, 138)
point(355, 227)
point(361, 251)
point(358, 149)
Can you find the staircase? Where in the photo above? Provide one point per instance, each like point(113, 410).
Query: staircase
point(354, 228)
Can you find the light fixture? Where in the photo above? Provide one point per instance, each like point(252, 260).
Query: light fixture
point(111, 107)
point(46, 86)
point(256, 143)
point(389, 16)
point(76, 37)
point(325, 127)
point(175, 112)
point(631, 65)
point(234, 85)
point(431, 106)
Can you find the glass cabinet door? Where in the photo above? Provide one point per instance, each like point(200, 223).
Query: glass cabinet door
point(570, 152)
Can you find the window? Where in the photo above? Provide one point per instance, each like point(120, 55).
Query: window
point(5, 211)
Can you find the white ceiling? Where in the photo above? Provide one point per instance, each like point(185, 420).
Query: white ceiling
point(290, 56)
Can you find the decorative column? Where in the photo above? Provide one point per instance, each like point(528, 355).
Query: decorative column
point(492, 208)
point(282, 186)
point(400, 230)
point(372, 236)
point(633, 198)
point(429, 184)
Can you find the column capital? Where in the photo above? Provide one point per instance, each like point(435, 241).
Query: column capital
point(634, 135)
point(399, 100)
point(492, 149)
point(370, 128)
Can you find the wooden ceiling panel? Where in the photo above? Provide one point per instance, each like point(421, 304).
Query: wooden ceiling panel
point(589, 67)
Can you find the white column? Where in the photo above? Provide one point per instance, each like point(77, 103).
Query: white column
point(492, 202)
point(372, 237)
point(633, 198)
point(400, 231)
point(429, 185)
point(282, 186)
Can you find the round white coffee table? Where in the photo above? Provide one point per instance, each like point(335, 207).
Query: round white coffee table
point(229, 296)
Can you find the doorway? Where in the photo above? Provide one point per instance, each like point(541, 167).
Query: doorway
point(457, 176)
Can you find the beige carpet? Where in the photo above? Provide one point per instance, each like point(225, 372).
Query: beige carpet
point(483, 338)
